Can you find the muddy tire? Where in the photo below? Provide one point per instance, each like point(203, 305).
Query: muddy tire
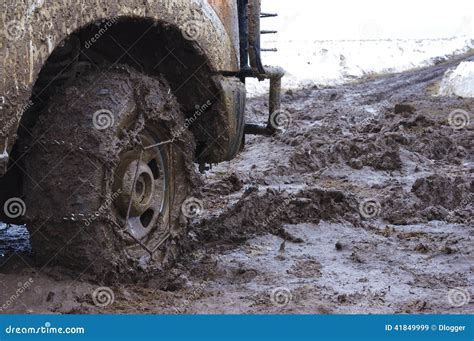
point(102, 197)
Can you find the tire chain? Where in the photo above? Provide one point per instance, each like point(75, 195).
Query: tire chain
point(82, 217)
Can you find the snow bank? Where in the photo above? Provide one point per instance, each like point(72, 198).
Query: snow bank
point(336, 62)
point(459, 82)
point(329, 43)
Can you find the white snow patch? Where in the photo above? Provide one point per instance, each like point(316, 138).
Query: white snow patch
point(459, 81)
point(335, 62)
point(333, 42)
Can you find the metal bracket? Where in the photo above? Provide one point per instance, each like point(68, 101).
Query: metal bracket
point(274, 74)
point(251, 62)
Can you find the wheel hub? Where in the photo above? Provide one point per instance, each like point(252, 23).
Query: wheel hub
point(136, 186)
point(140, 187)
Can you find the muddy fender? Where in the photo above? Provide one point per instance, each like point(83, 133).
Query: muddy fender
point(232, 105)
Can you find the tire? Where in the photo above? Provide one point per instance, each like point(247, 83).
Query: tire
point(97, 200)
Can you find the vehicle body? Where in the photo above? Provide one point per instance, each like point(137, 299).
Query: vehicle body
point(202, 48)
point(37, 28)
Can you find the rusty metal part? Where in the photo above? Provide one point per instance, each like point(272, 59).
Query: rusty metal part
point(229, 15)
point(256, 69)
point(274, 74)
point(254, 10)
point(243, 33)
point(254, 33)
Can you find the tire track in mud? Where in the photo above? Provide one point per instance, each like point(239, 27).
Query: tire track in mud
point(387, 141)
point(423, 164)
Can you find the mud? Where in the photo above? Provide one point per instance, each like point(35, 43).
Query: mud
point(363, 205)
point(67, 148)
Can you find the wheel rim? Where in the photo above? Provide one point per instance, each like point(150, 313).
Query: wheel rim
point(141, 187)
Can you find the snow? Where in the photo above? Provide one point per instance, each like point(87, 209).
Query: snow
point(459, 82)
point(320, 44)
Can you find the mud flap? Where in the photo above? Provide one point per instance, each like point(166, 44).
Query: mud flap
point(232, 107)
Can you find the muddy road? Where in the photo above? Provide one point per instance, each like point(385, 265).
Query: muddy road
point(363, 205)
